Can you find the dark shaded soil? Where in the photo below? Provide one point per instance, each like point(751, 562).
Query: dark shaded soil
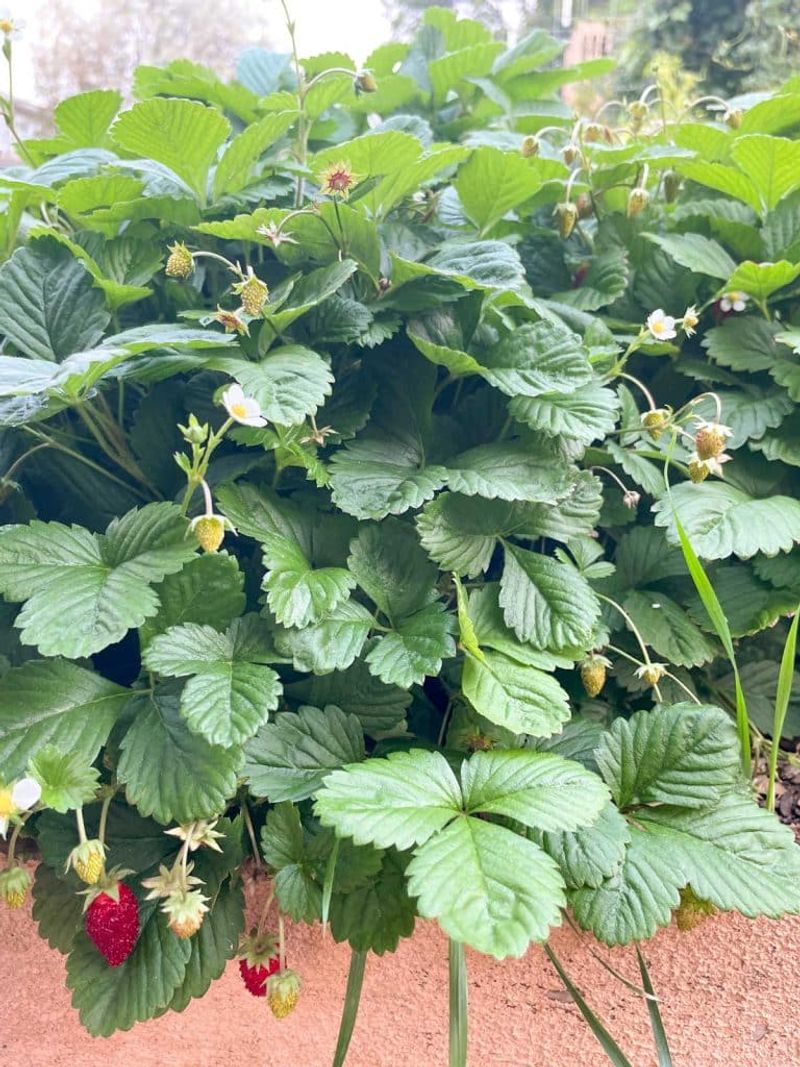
point(787, 791)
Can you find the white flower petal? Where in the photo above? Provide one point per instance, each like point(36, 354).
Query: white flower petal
point(3, 826)
point(25, 793)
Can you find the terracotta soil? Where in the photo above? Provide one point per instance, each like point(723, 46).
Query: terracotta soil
point(727, 990)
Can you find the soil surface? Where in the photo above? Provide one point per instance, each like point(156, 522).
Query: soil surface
point(787, 792)
point(726, 990)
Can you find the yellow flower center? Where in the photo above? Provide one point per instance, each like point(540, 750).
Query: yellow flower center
point(657, 327)
point(239, 411)
point(7, 806)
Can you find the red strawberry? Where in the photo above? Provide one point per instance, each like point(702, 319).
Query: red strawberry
point(255, 978)
point(112, 921)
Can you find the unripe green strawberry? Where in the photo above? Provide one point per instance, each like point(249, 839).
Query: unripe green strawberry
point(186, 909)
point(692, 911)
point(638, 199)
point(593, 674)
point(209, 530)
point(253, 294)
point(698, 470)
point(567, 218)
point(656, 421)
point(283, 993)
point(180, 263)
point(570, 153)
point(14, 885)
point(638, 111)
point(88, 861)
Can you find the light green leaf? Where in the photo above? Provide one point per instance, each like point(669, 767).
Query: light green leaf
point(725, 179)
point(771, 163)
point(537, 789)
point(667, 627)
point(68, 780)
point(743, 344)
point(683, 754)
point(297, 593)
point(383, 473)
point(486, 886)
point(48, 305)
point(289, 758)
point(590, 855)
point(540, 357)
point(521, 698)
point(400, 801)
point(761, 280)
point(415, 647)
point(492, 182)
point(84, 119)
point(208, 591)
point(230, 691)
point(84, 591)
point(289, 384)
point(169, 772)
point(546, 603)
point(722, 521)
point(240, 157)
point(372, 154)
point(184, 135)
point(117, 294)
point(53, 702)
point(449, 71)
point(330, 644)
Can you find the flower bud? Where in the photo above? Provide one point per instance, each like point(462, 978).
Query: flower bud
point(672, 186)
point(180, 263)
point(364, 82)
point(638, 199)
point(630, 498)
point(567, 218)
point(638, 111)
point(530, 147)
point(570, 153)
point(656, 422)
point(733, 117)
point(595, 131)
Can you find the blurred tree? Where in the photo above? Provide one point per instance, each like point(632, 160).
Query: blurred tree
point(101, 44)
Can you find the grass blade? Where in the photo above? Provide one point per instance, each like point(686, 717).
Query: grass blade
point(352, 998)
point(785, 679)
point(615, 1054)
point(656, 1022)
point(327, 886)
point(458, 1005)
point(719, 621)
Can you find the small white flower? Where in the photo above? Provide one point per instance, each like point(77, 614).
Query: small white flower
point(690, 320)
point(733, 301)
point(241, 408)
point(652, 673)
point(16, 798)
point(661, 326)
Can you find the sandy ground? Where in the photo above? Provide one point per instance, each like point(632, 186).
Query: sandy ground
point(728, 991)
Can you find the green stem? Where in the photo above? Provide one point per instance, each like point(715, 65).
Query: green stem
point(782, 697)
point(458, 1005)
point(12, 844)
point(352, 998)
point(101, 830)
point(251, 833)
point(81, 825)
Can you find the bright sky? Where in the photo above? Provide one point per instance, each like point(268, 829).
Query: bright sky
point(352, 26)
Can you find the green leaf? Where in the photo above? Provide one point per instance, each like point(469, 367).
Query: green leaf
point(447, 72)
point(725, 179)
point(390, 565)
point(373, 917)
point(588, 414)
point(330, 644)
point(540, 357)
point(297, 593)
point(309, 291)
point(743, 344)
point(509, 471)
point(537, 789)
point(460, 532)
point(52, 702)
point(283, 844)
point(400, 801)
point(382, 474)
point(683, 754)
point(547, 603)
point(492, 182)
point(230, 691)
point(57, 908)
point(84, 119)
point(415, 647)
point(589, 855)
point(289, 758)
point(289, 384)
point(184, 135)
point(235, 168)
point(48, 305)
point(377, 706)
point(721, 520)
point(486, 886)
point(637, 899)
point(84, 591)
point(114, 998)
point(606, 280)
point(169, 772)
point(117, 294)
point(519, 697)
point(668, 628)
point(772, 164)
point(761, 280)
point(697, 253)
point(67, 780)
point(373, 153)
point(208, 591)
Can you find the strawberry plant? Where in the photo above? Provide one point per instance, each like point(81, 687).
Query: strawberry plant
point(399, 495)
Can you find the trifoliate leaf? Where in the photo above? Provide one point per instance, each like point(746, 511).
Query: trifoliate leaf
point(84, 591)
point(588, 414)
point(460, 532)
point(289, 758)
point(230, 691)
point(289, 384)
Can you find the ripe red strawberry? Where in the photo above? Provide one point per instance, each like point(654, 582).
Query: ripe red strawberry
point(255, 978)
point(112, 921)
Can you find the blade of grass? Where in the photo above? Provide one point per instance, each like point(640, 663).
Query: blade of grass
point(327, 887)
point(719, 621)
point(785, 679)
point(615, 1054)
point(656, 1022)
point(352, 998)
point(458, 1005)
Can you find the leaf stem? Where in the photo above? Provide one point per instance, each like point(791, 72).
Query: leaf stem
point(458, 1005)
point(352, 998)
